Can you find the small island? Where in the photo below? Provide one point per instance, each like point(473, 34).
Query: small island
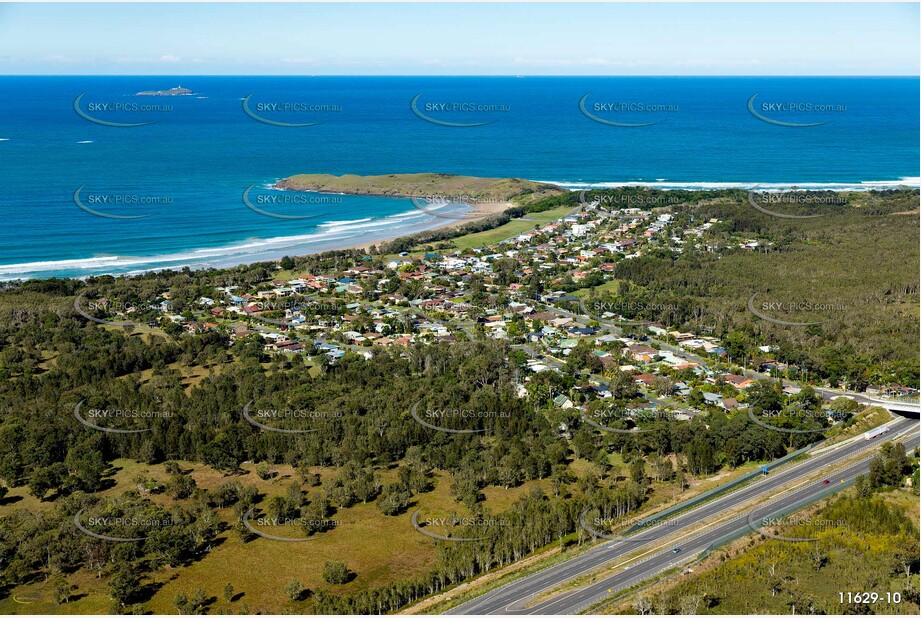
point(178, 91)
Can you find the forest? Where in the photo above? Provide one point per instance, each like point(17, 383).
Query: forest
point(56, 365)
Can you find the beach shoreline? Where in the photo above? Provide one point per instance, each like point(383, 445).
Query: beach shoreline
point(248, 253)
point(480, 212)
point(430, 193)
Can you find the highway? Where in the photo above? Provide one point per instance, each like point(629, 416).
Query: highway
point(783, 486)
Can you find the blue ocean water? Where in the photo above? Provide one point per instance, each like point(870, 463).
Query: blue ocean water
point(184, 174)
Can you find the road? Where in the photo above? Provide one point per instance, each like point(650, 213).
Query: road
point(515, 598)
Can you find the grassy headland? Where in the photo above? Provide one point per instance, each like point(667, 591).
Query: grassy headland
point(512, 190)
point(204, 348)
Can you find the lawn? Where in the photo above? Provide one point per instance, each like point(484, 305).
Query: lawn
point(511, 229)
point(606, 287)
point(503, 232)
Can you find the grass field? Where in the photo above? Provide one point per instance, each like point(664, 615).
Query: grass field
point(503, 232)
point(607, 287)
point(378, 548)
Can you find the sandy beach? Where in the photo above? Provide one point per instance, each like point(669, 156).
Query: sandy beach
point(257, 249)
point(479, 212)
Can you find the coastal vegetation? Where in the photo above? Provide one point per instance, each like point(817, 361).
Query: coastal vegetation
point(140, 418)
point(848, 279)
point(476, 189)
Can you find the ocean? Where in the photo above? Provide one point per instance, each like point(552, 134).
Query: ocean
point(83, 196)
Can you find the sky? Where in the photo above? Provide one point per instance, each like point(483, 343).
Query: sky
point(460, 39)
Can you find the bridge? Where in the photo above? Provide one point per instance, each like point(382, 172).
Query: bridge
point(902, 407)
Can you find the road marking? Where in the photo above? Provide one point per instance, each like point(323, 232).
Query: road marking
point(697, 532)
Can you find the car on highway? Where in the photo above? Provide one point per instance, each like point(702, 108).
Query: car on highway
point(676, 550)
point(826, 482)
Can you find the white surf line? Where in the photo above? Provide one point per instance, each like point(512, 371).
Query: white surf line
point(697, 531)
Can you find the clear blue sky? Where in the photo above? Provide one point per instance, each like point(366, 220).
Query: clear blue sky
point(460, 39)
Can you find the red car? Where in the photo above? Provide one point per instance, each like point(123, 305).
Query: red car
point(826, 482)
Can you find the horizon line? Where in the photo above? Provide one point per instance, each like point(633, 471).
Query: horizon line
point(514, 75)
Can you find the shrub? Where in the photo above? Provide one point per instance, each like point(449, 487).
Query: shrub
point(336, 573)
